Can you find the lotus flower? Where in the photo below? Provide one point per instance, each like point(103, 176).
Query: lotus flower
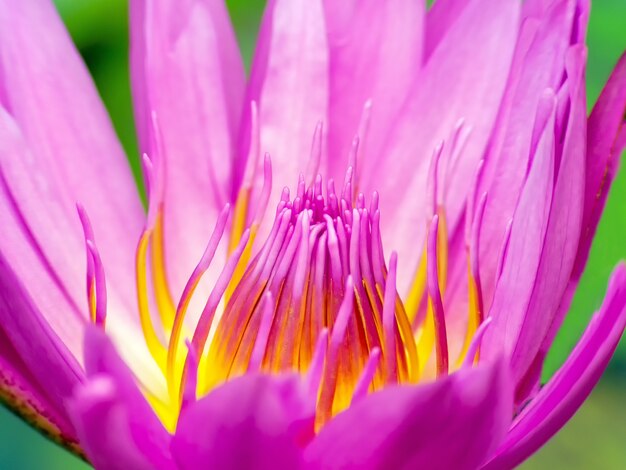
point(392, 311)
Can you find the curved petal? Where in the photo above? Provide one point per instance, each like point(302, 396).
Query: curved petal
point(34, 344)
point(561, 397)
point(20, 391)
point(528, 232)
point(289, 80)
point(115, 424)
point(360, 36)
point(539, 64)
point(606, 138)
point(454, 422)
point(42, 246)
point(47, 91)
point(564, 225)
point(255, 421)
point(186, 69)
point(450, 88)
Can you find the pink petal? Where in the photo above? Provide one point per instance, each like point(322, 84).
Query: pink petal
point(36, 352)
point(528, 231)
point(20, 391)
point(289, 80)
point(102, 425)
point(451, 87)
point(606, 124)
point(605, 128)
point(255, 421)
point(564, 226)
point(186, 68)
point(557, 402)
point(360, 36)
point(45, 249)
point(48, 93)
point(115, 424)
point(456, 422)
point(35, 249)
point(539, 64)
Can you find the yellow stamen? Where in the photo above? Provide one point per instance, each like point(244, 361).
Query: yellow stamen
point(417, 289)
point(239, 218)
point(159, 278)
point(152, 341)
point(474, 317)
point(242, 264)
point(92, 301)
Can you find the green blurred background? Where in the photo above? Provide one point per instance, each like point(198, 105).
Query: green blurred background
point(595, 438)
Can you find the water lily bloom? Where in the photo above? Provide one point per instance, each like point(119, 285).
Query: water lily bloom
point(358, 257)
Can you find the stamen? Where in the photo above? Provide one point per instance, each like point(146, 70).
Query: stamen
point(434, 301)
point(476, 308)
point(365, 381)
point(474, 346)
point(389, 321)
point(156, 348)
point(315, 373)
point(96, 281)
point(90, 278)
point(325, 403)
point(260, 344)
point(201, 333)
point(191, 384)
point(100, 282)
point(202, 266)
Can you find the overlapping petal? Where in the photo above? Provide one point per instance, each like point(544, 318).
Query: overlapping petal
point(453, 423)
point(450, 88)
point(289, 81)
point(360, 36)
point(187, 70)
point(255, 421)
point(561, 397)
point(114, 422)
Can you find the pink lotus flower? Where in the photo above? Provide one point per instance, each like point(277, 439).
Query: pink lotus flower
point(238, 326)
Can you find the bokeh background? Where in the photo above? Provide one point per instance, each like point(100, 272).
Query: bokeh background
point(595, 438)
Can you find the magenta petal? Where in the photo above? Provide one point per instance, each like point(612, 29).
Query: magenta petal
point(252, 422)
point(289, 80)
point(450, 88)
point(360, 36)
point(102, 424)
point(39, 348)
point(186, 68)
point(73, 153)
point(539, 64)
point(515, 286)
point(557, 402)
point(20, 391)
point(115, 424)
point(564, 225)
point(606, 138)
point(456, 422)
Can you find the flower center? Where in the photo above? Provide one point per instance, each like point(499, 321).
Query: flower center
point(317, 298)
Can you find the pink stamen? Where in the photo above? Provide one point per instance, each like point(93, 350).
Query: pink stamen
point(389, 320)
point(475, 344)
point(367, 376)
point(260, 344)
point(191, 382)
point(100, 283)
point(316, 369)
point(434, 294)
